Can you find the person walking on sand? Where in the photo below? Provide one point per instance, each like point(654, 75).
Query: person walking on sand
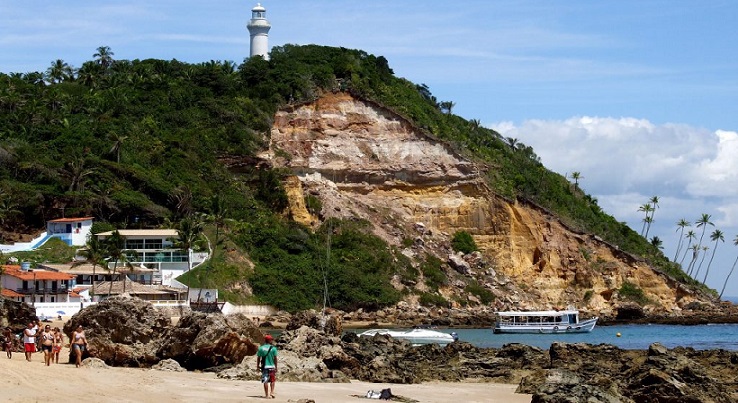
point(47, 344)
point(78, 343)
point(29, 340)
point(266, 361)
point(8, 339)
point(58, 341)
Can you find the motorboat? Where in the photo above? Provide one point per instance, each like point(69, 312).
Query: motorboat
point(416, 337)
point(563, 321)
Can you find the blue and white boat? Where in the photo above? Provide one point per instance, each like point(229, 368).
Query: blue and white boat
point(565, 321)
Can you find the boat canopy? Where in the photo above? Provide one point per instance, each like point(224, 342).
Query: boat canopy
point(538, 313)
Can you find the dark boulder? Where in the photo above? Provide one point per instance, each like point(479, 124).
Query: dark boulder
point(16, 315)
point(122, 331)
point(202, 340)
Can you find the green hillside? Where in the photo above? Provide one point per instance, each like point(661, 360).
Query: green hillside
point(142, 143)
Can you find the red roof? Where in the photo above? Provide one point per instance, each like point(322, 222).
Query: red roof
point(8, 293)
point(72, 219)
point(15, 271)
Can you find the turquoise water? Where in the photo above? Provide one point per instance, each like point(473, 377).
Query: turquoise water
point(632, 337)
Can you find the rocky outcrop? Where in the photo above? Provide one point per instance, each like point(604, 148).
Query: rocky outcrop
point(364, 161)
point(202, 340)
point(122, 331)
point(330, 322)
point(16, 315)
point(126, 331)
point(605, 373)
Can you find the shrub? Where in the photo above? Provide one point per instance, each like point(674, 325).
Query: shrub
point(484, 295)
point(431, 299)
point(434, 276)
point(632, 292)
point(463, 242)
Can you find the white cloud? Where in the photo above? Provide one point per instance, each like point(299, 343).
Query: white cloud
point(626, 161)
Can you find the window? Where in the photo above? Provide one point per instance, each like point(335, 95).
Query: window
point(134, 243)
point(154, 244)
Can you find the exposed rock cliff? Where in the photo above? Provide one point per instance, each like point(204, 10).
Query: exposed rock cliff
point(364, 161)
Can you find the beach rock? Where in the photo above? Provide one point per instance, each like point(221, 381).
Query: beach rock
point(122, 331)
point(16, 315)
point(168, 365)
point(93, 362)
point(458, 263)
point(203, 340)
point(331, 324)
point(670, 376)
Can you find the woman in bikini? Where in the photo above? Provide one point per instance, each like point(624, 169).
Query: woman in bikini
point(47, 344)
point(78, 344)
point(58, 341)
point(8, 339)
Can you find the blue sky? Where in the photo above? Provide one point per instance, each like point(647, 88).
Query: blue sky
point(640, 97)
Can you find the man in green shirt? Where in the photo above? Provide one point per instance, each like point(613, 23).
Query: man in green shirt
point(266, 361)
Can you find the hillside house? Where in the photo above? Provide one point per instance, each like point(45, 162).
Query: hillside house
point(154, 249)
point(32, 286)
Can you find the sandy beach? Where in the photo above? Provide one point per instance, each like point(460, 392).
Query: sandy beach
point(22, 381)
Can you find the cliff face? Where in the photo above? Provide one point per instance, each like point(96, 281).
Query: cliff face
point(364, 161)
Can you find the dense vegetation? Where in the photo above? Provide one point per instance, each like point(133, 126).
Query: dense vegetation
point(144, 143)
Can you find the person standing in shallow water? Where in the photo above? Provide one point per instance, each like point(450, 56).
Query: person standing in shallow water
point(266, 362)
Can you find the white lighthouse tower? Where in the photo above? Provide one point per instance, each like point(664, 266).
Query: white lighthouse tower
point(259, 29)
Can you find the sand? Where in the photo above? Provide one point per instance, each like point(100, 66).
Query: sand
point(22, 381)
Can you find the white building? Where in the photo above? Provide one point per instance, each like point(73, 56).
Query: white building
point(154, 249)
point(31, 286)
point(73, 231)
point(259, 29)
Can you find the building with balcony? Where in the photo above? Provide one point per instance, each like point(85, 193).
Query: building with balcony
point(30, 286)
point(155, 249)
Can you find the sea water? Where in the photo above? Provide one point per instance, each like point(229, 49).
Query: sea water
point(632, 337)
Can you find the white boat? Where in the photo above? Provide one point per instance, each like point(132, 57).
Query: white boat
point(416, 337)
point(566, 321)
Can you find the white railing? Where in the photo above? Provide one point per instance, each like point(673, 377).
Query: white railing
point(175, 302)
point(248, 310)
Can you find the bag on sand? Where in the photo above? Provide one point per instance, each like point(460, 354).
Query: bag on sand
point(372, 394)
point(385, 394)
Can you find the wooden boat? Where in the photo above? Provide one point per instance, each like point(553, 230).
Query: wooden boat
point(416, 337)
point(566, 321)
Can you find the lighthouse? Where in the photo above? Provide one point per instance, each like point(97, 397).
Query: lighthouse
point(259, 29)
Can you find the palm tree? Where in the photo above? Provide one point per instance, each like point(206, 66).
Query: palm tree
point(115, 248)
point(735, 242)
point(704, 248)
point(695, 253)
point(683, 223)
point(654, 202)
point(94, 253)
point(703, 222)
point(104, 57)
point(217, 215)
point(59, 71)
point(117, 140)
point(657, 242)
point(188, 234)
point(646, 208)
point(576, 175)
point(690, 235)
point(716, 236)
